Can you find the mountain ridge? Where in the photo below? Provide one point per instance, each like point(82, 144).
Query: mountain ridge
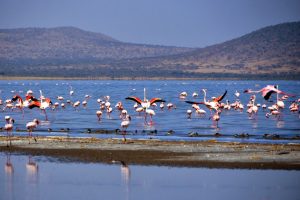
point(273, 51)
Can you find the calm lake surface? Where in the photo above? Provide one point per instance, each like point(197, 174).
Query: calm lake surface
point(32, 178)
point(83, 121)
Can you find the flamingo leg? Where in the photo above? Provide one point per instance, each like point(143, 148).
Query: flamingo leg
point(45, 114)
point(151, 121)
point(145, 119)
point(10, 134)
point(29, 135)
point(7, 138)
point(124, 134)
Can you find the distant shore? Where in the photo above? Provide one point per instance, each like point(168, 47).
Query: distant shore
point(130, 78)
point(210, 154)
point(106, 78)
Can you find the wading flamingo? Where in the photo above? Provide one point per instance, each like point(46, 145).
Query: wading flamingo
point(145, 104)
point(9, 127)
point(124, 125)
point(31, 126)
point(214, 104)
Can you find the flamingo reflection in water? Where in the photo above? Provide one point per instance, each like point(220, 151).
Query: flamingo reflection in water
point(32, 169)
point(9, 168)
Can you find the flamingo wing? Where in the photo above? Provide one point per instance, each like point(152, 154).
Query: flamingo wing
point(268, 92)
point(192, 102)
point(136, 99)
point(34, 104)
point(16, 97)
point(48, 101)
point(219, 98)
point(153, 100)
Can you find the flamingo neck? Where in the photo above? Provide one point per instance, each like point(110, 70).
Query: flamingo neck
point(41, 95)
point(204, 98)
point(277, 94)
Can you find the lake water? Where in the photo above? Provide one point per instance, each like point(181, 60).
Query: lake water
point(84, 123)
point(32, 178)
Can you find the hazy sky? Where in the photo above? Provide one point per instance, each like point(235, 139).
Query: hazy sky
point(192, 23)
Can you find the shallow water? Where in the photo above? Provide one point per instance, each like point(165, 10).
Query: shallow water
point(48, 178)
point(77, 122)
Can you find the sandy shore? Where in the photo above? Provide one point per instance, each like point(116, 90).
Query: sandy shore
point(153, 152)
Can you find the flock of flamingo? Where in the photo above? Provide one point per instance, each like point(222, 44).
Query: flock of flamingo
point(214, 105)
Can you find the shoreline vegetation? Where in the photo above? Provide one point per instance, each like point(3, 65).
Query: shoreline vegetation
point(208, 154)
point(141, 78)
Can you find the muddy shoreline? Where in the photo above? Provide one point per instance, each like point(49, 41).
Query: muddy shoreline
point(209, 154)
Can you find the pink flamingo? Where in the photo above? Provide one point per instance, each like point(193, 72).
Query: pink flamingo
point(9, 127)
point(268, 91)
point(146, 104)
point(31, 126)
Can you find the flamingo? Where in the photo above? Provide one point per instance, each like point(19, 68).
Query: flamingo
point(201, 112)
point(162, 105)
point(195, 94)
point(31, 126)
point(9, 127)
point(227, 106)
point(198, 110)
point(60, 98)
point(268, 91)
point(279, 102)
point(189, 113)
point(216, 117)
point(124, 125)
point(214, 104)
point(76, 104)
point(119, 106)
point(183, 95)
point(170, 105)
point(252, 107)
point(99, 114)
point(145, 104)
point(20, 103)
point(71, 91)
point(42, 104)
point(84, 103)
point(273, 112)
point(151, 113)
point(237, 94)
point(294, 107)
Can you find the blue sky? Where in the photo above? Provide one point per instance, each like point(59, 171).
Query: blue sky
point(190, 23)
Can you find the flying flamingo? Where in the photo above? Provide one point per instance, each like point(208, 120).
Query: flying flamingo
point(31, 126)
point(146, 104)
point(9, 127)
point(268, 91)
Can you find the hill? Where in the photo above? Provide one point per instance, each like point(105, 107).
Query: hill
point(271, 52)
point(69, 43)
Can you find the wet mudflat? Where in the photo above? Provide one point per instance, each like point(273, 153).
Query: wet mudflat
point(156, 152)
